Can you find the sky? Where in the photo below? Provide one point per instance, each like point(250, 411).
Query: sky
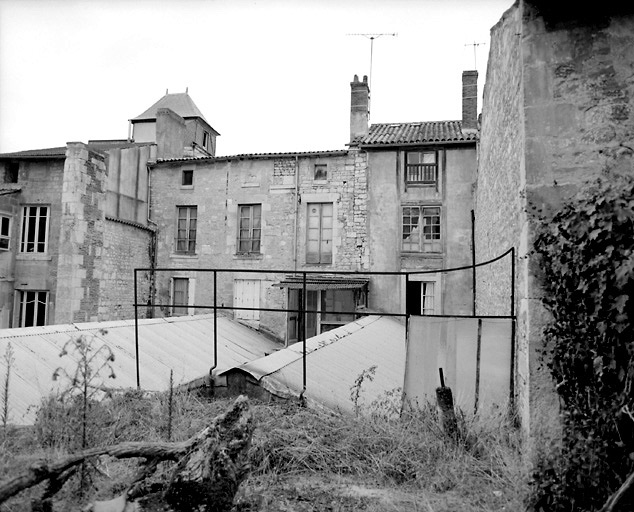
point(268, 75)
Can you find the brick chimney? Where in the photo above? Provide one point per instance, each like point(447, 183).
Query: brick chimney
point(359, 102)
point(469, 101)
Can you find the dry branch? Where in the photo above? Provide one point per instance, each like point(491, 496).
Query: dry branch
point(209, 464)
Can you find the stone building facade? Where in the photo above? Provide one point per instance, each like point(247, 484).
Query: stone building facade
point(399, 199)
point(557, 112)
point(74, 219)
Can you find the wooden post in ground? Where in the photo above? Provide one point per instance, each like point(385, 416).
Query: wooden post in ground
point(444, 397)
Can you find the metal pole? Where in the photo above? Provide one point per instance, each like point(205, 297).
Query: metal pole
point(512, 383)
point(136, 331)
point(473, 259)
point(304, 306)
point(215, 326)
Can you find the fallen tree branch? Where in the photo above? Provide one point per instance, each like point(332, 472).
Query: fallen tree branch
point(221, 442)
point(618, 495)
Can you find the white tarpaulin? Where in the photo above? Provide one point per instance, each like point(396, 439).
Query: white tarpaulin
point(451, 343)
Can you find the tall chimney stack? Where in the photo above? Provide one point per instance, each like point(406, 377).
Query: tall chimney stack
point(469, 101)
point(359, 102)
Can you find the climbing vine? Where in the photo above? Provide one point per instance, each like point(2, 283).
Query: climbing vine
point(586, 253)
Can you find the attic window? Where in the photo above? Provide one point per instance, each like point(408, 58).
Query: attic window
point(206, 140)
point(187, 179)
point(321, 172)
point(11, 172)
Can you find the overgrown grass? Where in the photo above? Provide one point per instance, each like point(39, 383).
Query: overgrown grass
point(301, 459)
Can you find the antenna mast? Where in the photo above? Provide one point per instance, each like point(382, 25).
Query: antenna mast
point(475, 46)
point(372, 37)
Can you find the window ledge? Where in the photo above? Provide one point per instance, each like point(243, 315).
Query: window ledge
point(248, 256)
point(423, 254)
point(26, 256)
point(176, 255)
point(187, 187)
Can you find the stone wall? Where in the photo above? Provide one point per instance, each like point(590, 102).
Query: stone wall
point(220, 187)
point(81, 235)
point(557, 112)
point(499, 194)
point(126, 246)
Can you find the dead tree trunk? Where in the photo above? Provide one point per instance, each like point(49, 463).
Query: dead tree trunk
point(207, 471)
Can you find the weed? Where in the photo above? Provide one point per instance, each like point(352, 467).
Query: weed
point(9, 360)
point(355, 389)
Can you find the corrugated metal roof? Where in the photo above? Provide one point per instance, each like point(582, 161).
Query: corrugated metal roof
point(37, 153)
point(182, 344)
point(322, 282)
point(332, 152)
point(334, 360)
point(181, 103)
point(383, 134)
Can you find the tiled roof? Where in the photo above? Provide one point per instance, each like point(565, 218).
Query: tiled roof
point(334, 152)
point(181, 103)
point(37, 153)
point(427, 132)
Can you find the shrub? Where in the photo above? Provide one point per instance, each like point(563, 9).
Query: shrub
point(586, 256)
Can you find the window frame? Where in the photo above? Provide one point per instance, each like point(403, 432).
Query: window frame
point(320, 167)
point(424, 244)
point(25, 231)
point(191, 174)
point(180, 308)
point(421, 172)
point(320, 257)
point(6, 236)
point(188, 230)
point(251, 240)
point(23, 301)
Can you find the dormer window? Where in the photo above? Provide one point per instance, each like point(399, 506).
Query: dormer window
point(206, 140)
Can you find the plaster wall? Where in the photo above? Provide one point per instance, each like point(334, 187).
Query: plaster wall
point(41, 183)
point(388, 193)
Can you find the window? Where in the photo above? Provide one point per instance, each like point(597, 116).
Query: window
point(321, 172)
point(319, 239)
point(187, 178)
point(421, 229)
point(421, 168)
point(421, 298)
point(34, 229)
point(5, 232)
point(11, 172)
point(186, 229)
point(33, 308)
point(206, 140)
point(341, 301)
point(180, 296)
point(249, 228)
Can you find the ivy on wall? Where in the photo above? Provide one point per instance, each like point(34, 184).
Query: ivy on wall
point(586, 256)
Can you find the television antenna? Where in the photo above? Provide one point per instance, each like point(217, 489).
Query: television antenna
point(372, 37)
point(475, 47)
